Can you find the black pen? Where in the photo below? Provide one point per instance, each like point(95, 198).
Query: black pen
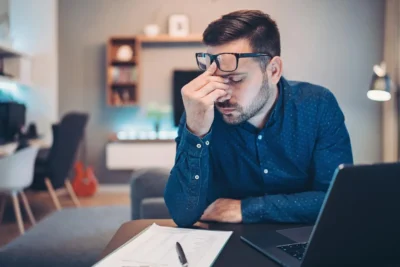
point(181, 255)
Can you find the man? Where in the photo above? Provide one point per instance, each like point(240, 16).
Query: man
point(252, 146)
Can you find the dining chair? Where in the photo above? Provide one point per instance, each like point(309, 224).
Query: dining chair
point(16, 174)
point(53, 168)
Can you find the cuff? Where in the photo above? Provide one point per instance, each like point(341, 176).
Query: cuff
point(194, 145)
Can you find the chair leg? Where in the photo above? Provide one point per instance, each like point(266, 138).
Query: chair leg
point(28, 208)
point(52, 193)
point(17, 211)
point(72, 193)
point(3, 201)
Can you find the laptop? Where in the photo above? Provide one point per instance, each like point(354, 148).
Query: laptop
point(358, 225)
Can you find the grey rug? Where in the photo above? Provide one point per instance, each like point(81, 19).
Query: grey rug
point(70, 237)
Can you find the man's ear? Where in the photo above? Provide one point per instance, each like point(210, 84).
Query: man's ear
point(275, 68)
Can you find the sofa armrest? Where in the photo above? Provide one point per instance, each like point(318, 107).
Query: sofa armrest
point(146, 183)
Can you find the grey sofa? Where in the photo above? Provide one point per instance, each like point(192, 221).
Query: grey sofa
point(76, 237)
point(147, 194)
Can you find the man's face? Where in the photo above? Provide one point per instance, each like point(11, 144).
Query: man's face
point(250, 89)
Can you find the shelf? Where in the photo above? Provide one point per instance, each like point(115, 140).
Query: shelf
point(130, 104)
point(133, 68)
point(142, 136)
point(123, 63)
point(7, 51)
point(123, 39)
point(7, 82)
point(119, 85)
point(142, 140)
point(165, 38)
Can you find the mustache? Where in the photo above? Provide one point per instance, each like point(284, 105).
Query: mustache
point(226, 104)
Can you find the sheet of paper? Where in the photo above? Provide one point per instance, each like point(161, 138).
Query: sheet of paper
point(155, 247)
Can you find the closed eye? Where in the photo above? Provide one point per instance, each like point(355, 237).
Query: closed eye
point(236, 79)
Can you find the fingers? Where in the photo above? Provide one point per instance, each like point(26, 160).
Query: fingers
point(206, 77)
point(213, 96)
point(211, 70)
point(211, 79)
point(205, 216)
point(208, 88)
point(208, 213)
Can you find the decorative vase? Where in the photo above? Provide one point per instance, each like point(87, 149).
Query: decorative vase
point(151, 30)
point(157, 127)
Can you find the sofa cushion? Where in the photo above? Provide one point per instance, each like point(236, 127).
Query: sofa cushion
point(70, 237)
point(154, 208)
point(147, 184)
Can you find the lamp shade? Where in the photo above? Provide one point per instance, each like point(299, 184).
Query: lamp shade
point(380, 85)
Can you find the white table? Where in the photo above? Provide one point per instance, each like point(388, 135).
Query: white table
point(10, 148)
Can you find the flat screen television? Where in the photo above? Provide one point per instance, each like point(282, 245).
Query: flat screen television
point(180, 79)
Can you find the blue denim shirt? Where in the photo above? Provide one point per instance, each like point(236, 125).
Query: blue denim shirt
point(280, 173)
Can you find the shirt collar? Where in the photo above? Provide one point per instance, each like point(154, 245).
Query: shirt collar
point(277, 111)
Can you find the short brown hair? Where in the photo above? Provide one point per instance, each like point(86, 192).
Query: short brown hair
point(253, 25)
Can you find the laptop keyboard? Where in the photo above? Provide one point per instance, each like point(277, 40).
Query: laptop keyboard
point(296, 250)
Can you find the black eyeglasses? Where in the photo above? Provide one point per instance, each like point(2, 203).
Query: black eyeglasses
point(226, 62)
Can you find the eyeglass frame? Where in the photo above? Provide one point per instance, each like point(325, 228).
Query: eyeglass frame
point(237, 55)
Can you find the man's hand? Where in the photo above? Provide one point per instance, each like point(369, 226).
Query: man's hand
point(198, 98)
point(224, 210)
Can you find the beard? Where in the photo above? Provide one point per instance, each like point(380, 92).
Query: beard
point(241, 113)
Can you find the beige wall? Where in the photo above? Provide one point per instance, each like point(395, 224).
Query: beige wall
point(34, 31)
point(334, 43)
point(390, 118)
point(3, 6)
point(34, 27)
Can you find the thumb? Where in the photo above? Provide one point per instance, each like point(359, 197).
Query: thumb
point(211, 70)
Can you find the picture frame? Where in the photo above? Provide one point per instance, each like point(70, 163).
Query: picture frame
point(178, 25)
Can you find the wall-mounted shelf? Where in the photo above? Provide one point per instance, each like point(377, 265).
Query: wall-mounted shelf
point(123, 63)
point(8, 82)
point(7, 51)
point(164, 38)
point(132, 84)
point(124, 77)
point(14, 67)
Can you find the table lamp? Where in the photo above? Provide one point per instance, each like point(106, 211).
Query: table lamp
point(382, 88)
point(381, 84)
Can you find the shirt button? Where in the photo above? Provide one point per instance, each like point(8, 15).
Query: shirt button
point(207, 143)
point(260, 137)
point(196, 177)
point(265, 171)
point(198, 146)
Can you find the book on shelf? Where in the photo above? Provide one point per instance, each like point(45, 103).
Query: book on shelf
point(123, 96)
point(123, 74)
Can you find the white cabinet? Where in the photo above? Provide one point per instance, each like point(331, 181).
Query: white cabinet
point(140, 154)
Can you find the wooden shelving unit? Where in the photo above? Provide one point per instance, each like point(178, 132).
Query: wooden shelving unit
point(122, 73)
point(7, 51)
point(164, 38)
point(10, 72)
point(124, 76)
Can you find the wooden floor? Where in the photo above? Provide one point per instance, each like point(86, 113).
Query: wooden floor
point(42, 206)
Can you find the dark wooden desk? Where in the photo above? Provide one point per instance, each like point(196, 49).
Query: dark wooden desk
point(235, 252)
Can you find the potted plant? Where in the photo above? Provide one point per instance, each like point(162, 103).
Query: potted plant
point(157, 112)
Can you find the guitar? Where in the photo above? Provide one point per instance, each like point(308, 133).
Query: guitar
point(85, 182)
